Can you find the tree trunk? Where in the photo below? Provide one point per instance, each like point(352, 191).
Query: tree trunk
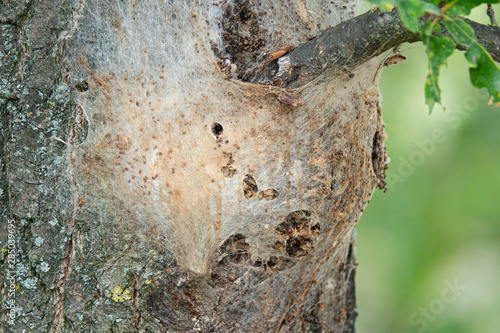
point(155, 186)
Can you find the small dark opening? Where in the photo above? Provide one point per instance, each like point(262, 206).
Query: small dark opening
point(249, 186)
point(217, 129)
point(82, 86)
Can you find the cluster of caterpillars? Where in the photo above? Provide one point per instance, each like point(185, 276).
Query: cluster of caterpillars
point(298, 234)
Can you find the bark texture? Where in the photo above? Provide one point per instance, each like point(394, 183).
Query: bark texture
point(153, 191)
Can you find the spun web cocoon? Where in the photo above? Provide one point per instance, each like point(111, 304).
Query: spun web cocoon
point(155, 91)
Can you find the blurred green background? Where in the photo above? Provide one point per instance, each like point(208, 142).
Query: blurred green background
point(429, 248)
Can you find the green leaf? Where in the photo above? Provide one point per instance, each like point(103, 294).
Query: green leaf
point(410, 11)
point(460, 30)
point(463, 7)
point(429, 29)
point(438, 48)
point(484, 72)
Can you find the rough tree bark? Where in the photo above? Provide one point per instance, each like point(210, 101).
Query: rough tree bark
point(168, 166)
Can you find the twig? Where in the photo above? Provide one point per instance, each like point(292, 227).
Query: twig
point(354, 42)
point(491, 14)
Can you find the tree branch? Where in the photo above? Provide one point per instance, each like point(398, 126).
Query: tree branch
point(489, 37)
point(352, 43)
